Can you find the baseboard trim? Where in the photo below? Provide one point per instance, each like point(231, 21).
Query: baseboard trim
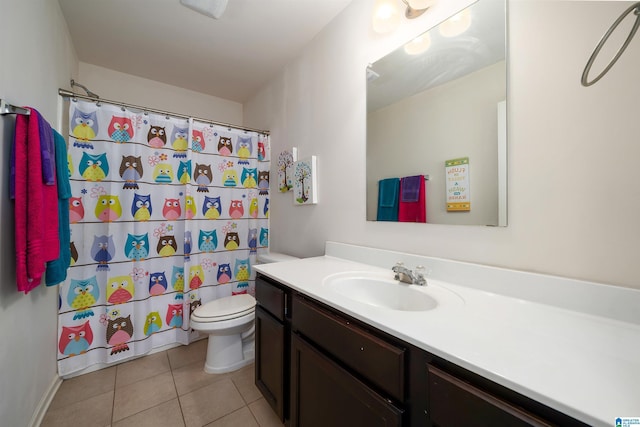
point(45, 401)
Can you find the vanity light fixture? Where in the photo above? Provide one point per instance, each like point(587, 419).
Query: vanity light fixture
point(418, 45)
point(386, 13)
point(211, 8)
point(416, 8)
point(386, 16)
point(457, 24)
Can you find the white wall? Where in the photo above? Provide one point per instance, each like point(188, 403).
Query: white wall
point(418, 134)
point(130, 89)
point(37, 59)
point(572, 150)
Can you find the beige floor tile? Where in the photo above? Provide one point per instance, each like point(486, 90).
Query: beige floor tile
point(240, 418)
point(210, 403)
point(142, 395)
point(264, 414)
point(192, 377)
point(166, 414)
point(84, 386)
point(142, 368)
point(187, 354)
point(245, 381)
point(92, 412)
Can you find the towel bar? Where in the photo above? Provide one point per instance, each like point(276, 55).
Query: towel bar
point(6, 108)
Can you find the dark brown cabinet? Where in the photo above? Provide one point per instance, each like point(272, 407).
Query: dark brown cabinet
point(325, 394)
point(317, 366)
point(270, 360)
point(378, 361)
point(454, 402)
point(272, 345)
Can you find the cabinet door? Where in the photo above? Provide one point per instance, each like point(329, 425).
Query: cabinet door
point(324, 394)
point(454, 403)
point(270, 360)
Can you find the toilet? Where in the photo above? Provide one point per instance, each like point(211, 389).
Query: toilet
point(229, 322)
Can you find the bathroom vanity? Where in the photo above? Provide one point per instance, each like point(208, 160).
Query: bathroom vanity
point(318, 366)
point(477, 357)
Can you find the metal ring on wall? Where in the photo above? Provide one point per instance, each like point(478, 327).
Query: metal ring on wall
point(585, 74)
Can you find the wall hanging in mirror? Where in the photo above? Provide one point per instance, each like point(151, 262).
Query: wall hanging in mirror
point(286, 160)
point(305, 184)
point(457, 179)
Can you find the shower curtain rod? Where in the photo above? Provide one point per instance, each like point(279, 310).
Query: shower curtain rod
point(69, 94)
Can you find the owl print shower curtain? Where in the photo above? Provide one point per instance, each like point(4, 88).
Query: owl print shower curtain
point(166, 214)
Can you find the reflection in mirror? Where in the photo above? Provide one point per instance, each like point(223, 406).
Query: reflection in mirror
point(441, 97)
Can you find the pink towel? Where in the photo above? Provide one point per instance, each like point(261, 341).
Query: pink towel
point(36, 216)
point(415, 211)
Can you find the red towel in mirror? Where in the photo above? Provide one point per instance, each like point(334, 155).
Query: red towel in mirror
point(414, 211)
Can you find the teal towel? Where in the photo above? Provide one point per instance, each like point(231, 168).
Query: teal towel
point(57, 269)
point(388, 199)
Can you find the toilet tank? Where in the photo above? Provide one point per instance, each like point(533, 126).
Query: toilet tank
point(269, 257)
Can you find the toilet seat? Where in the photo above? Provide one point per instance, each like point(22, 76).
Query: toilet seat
point(226, 308)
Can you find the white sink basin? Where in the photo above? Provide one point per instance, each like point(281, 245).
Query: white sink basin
point(381, 290)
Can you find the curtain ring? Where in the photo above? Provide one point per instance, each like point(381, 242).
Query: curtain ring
point(585, 74)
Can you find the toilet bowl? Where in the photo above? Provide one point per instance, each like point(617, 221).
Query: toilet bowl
point(229, 322)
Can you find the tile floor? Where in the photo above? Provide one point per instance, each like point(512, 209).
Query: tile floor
point(164, 389)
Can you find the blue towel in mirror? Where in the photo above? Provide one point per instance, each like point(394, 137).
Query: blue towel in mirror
point(388, 199)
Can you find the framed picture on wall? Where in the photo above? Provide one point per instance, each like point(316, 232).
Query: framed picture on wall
point(286, 159)
point(305, 190)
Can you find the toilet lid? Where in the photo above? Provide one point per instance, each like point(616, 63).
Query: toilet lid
point(226, 308)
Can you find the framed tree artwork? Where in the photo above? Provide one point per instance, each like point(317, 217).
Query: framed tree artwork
point(285, 169)
point(305, 183)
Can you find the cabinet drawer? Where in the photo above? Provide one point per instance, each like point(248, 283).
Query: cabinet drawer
point(376, 360)
point(453, 402)
point(271, 297)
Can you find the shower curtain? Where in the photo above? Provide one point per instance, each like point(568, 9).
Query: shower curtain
point(166, 214)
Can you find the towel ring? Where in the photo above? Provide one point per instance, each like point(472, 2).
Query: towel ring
point(585, 74)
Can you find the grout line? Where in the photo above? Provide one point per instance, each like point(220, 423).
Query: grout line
point(238, 390)
point(254, 415)
point(146, 409)
point(113, 401)
point(184, 422)
point(144, 379)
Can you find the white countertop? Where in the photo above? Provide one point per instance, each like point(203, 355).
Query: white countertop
point(584, 365)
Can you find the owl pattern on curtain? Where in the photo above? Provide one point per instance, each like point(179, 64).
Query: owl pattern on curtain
point(166, 214)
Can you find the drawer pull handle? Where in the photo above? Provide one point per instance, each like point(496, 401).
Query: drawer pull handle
point(361, 348)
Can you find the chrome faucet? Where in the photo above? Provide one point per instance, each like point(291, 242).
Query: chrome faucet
point(405, 275)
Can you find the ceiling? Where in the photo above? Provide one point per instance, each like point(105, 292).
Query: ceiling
point(231, 58)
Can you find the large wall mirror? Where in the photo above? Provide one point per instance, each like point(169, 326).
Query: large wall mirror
point(445, 103)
